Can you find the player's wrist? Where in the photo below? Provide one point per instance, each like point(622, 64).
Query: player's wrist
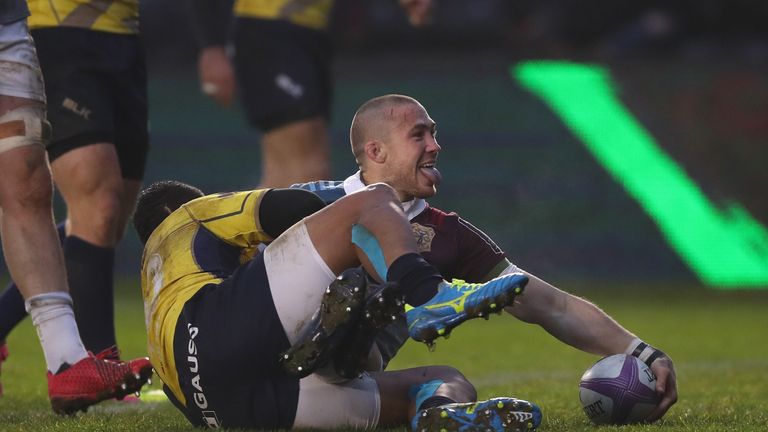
point(646, 353)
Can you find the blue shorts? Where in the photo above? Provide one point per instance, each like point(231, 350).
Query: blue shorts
point(96, 84)
point(283, 71)
point(227, 343)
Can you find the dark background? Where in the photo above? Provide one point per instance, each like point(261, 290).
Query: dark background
point(692, 72)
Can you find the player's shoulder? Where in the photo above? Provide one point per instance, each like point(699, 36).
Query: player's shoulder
point(221, 205)
point(436, 216)
point(328, 190)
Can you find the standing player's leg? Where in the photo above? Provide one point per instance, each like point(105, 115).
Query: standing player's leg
point(295, 153)
point(27, 219)
point(284, 75)
point(98, 153)
point(26, 216)
point(89, 180)
point(75, 379)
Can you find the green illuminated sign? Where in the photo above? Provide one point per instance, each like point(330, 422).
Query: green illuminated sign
point(725, 247)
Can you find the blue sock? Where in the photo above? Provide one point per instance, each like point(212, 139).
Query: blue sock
point(90, 272)
point(371, 247)
point(424, 397)
point(420, 393)
point(11, 310)
point(417, 278)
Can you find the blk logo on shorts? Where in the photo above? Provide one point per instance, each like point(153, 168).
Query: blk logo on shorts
point(77, 109)
point(288, 85)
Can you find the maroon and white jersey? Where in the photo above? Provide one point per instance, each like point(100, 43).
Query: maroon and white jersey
point(454, 246)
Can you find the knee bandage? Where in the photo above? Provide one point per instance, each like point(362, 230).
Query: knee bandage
point(23, 126)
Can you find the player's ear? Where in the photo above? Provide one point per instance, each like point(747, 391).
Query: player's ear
point(375, 151)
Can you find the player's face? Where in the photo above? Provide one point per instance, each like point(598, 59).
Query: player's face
point(411, 165)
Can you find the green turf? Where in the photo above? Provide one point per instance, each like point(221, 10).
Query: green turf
point(718, 341)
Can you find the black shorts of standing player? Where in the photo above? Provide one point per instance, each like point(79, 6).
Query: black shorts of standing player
point(226, 345)
point(283, 71)
point(96, 86)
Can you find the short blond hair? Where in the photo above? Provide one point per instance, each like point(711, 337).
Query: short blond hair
point(370, 118)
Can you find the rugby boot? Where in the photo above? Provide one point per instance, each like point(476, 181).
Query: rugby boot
point(91, 380)
point(339, 311)
point(496, 415)
point(384, 304)
point(459, 301)
point(113, 354)
point(3, 357)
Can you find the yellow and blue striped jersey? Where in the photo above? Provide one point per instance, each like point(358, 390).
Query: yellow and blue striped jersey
point(313, 14)
point(202, 242)
point(114, 16)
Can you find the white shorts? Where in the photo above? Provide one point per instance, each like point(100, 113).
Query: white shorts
point(353, 404)
point(298, 278)
point(20, 73)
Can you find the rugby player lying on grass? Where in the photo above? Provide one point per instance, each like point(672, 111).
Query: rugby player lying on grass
point(393, 141)
point(234, 333)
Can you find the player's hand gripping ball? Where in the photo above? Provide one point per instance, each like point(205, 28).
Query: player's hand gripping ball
point(619, 389)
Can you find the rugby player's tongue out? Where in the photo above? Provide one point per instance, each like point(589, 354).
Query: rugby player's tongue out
point(429, 170)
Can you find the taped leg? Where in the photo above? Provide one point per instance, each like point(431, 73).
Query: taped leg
point(25, 125)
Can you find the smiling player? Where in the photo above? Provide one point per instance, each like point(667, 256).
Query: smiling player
point(394, 141)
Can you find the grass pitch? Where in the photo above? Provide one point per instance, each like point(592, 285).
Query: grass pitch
point(717, 339)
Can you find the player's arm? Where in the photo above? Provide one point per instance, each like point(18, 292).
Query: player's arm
point(211, 20)
point(419, 11)
point(281, 208)
point(581, 324)
point(570, 319)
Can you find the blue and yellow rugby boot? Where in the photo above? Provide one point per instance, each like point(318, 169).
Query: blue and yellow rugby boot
point(496, 415)
point(459, 301)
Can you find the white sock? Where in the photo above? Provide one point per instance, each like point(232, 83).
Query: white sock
point(54, 320)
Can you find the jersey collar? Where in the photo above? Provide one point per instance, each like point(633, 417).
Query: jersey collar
point(411, 208)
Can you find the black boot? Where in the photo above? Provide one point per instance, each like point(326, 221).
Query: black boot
point(339, 312)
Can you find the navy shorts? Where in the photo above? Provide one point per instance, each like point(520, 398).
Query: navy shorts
point(283, 71)
point(96, 86)
point(226, 346)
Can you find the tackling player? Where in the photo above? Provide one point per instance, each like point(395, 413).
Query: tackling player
point(221, 317)
point(76, 379)
point(394, 141)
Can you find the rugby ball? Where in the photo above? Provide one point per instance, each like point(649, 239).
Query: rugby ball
point(619, 389)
